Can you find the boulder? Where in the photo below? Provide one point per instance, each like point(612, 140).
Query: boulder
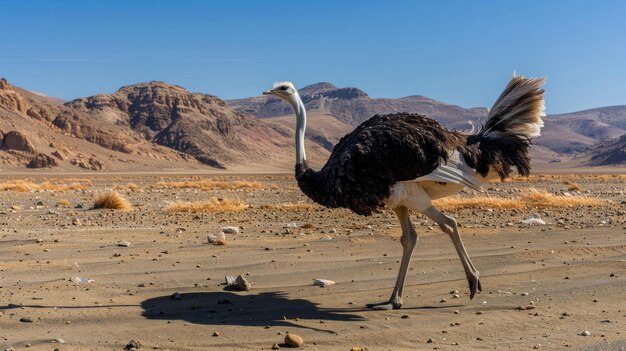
point(42, 161)
point(17, 141)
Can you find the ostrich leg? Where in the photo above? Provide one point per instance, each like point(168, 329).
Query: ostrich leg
point(448, 225)
point(408, 241)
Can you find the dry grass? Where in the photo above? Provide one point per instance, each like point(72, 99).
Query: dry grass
point(214, 185)
point(533, 199)
point(129, 186)
point(63, 203)
point(289, 207)
point(111, 200)
point(213, 205)
point(26, 186)
point(566, 177)
point(573, 186)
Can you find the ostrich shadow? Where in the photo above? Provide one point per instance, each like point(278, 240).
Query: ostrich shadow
point(228, 308)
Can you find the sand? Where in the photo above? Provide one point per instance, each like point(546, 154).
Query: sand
point(542, 285)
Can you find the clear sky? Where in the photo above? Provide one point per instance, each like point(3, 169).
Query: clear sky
point(460, 52)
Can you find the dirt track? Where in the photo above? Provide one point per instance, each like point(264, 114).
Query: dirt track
point(566, 278)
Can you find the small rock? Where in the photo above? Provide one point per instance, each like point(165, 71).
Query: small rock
point(323, 282)
point(275, 347)
point(332, 231)
point(76, 221)
point(293, 340)
point(290, 225)
point(356, 348)
point(81, 280)
point(214, 238)
point(123, 243)
point(216, 333)
point(326, 238)
point(239, 283)
point(585, 333)
point(57, 341)
point(26, 320)
point(230, 230)
point(177, 296)
point(534, 220)
point(430, 341)
point(132, 345)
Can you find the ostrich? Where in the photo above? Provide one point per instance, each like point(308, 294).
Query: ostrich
point(405, 160)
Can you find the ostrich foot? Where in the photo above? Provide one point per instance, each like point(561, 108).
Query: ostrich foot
point(474, 284)
point(388, 305)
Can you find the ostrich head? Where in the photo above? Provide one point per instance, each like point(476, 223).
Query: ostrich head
point(283, 90)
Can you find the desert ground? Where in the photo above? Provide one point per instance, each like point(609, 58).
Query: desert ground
point(544, 286)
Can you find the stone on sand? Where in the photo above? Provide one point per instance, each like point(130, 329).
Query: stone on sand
point(293, 340)
point(230, 230)
point(323, 282)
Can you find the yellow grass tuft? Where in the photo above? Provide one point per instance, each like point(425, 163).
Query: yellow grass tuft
point(533, 199)
point(289, 207)
point(63, 203)
point(129, 186)
point(111, 200)
point(26, 186)
point(573, 186)
point(213, 205)
point(213, 185)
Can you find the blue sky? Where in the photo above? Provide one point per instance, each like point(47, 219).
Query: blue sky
point(460, 52)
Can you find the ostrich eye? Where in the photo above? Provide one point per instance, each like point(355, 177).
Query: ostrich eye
point(284, 88)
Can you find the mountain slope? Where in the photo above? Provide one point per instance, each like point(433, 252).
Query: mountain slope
point(196, 124)
point(38, 131)
point(353, 106)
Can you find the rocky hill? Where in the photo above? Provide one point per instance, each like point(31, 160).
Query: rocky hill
point(144, 126)
point(611, 153)
point(353, 106)
point(41, 132)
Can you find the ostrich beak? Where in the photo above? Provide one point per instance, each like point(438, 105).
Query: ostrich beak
point(268, 92)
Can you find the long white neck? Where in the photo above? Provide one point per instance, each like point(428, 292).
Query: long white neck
point(298, 106)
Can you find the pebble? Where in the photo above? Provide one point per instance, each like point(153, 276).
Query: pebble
point(536, 219)
point(76, 221)
point(123, 243)
point(326, 238)
point(81, 280)
point(323, 282)
point(293, 340)
point(585, 333)
point(230, 230)
point(356, 348)
point(290, 225)
point(132, 345)
point(177, 296)
point(332, 231)
point(216, 333)
point(214, 238)
point(239, 283)
point(26, 320)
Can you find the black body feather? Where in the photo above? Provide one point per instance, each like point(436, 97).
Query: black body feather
point(381, 151)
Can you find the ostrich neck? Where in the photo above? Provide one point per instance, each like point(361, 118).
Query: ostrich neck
point(298, 106)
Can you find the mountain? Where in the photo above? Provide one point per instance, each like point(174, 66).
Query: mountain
point(611, 153)
point(353, 106)
point(147, 126)
point(199, 125)
point(38, 131)
point(573, 133)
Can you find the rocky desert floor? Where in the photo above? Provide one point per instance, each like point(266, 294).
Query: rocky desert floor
point(150, 275)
